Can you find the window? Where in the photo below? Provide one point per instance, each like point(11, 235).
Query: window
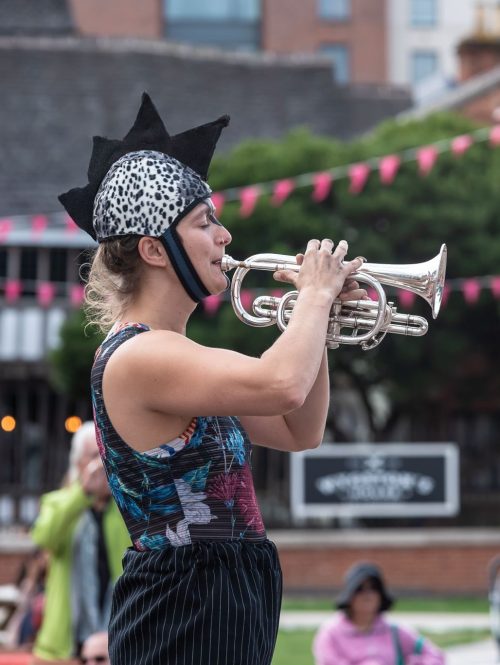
point(340, 57)
point(423, 13)
point(334, 10)
point(423, 65)
point(213, 10)
point(229, 24)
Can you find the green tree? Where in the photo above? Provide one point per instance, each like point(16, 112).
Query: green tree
point(455, 365)
point(70, 363)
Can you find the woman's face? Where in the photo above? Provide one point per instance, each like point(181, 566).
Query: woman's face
point(366, 599)
point(204, 240)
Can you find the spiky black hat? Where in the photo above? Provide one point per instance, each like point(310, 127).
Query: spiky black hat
point(145, 184)
point(180, 162)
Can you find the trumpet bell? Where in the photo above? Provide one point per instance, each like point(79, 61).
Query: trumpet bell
point(425, 279)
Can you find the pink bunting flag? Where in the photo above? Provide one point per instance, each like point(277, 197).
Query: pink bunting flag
point(248, 198)
point(495, 286)
point(38, 225)
point(77, 294)
point(71, 227)
point(13, 290)
point(5, 229)
point(426, 158)
point(445, 295)
point(372, 294)
point(388, 168)
point(211, 304)
point(471, 289)
point(406, 298)
point(282, 190)
point(277, 293)
point(461, 144)
point(45, 293)
point(247, 299)
point(495, 135)
point(358, 173)
point(322, 184)
point(218, 201)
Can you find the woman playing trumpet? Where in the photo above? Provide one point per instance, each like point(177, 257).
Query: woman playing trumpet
point(202, 584)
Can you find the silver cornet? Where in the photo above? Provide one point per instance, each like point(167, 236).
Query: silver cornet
point(376, 317)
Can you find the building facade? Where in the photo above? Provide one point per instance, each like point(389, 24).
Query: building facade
point(40, 287)
point(351, 33)
point(423, 41)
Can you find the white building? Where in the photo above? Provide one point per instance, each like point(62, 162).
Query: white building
point(423, 37)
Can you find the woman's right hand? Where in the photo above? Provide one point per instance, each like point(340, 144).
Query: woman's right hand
point(322, 268)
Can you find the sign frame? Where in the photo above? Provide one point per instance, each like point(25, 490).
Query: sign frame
point(447, 508)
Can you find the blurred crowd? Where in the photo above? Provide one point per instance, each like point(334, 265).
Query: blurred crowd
point(65, 587)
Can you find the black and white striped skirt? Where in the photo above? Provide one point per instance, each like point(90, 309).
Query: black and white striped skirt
point(203, 604)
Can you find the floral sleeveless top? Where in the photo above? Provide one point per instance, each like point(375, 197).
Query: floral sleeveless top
point(197, 487)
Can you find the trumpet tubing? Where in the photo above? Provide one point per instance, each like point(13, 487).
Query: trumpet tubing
point(377, 318)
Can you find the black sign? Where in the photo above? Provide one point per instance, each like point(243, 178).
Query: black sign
point(376, 480)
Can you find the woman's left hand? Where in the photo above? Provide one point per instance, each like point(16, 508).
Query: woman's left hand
point(351, 289)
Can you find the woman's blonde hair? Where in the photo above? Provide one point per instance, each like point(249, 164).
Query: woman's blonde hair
point(115, 271)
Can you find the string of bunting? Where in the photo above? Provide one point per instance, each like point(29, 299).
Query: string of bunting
point(321, 182)
point(387, 166)
point(48, 293)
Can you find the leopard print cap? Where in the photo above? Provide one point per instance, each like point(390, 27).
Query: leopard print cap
point(145, 193)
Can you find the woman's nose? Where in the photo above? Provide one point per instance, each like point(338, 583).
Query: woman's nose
point(224, 237)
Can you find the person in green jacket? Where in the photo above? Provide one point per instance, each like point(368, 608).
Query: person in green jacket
point(81, 528)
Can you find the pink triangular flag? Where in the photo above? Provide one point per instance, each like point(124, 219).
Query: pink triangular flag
point(218, 200)
point(388, 168)
point(406, 298)
point(461, 144)
point(495, 286)
point(246, 299)
point(5, 229)
point(372, 294)
point(38, 224)
point(471, 289)
point(358, 174)
point(445, 295)
point(495, 135)
point(426, 158)
point(282, 190)
point(77, 294)
point(211, 304)
point(71, 227)
point(13, 290)
point(248, 198)
point(322, 184)
point(45, 293)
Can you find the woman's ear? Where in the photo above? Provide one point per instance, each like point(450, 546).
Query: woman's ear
point(152, 251)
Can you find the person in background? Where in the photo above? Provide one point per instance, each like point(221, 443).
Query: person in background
point(84, 533)
point(95, 649)
point(26, 618)
point(361, 635)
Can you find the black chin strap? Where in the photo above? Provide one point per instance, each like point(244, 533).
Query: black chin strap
point(182, 265)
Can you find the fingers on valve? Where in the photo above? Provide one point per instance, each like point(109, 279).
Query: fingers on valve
point(313, 245)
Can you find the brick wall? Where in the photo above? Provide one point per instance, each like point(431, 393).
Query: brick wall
point(419, 561)
point(118, 18)
point(296, 27)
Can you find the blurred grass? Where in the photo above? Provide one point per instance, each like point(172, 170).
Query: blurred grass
point(294, 646)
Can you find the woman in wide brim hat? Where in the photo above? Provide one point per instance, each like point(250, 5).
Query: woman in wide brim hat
point(360, 635)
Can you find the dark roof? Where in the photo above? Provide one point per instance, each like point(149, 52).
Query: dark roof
point(59, 92)
point(35, 17)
